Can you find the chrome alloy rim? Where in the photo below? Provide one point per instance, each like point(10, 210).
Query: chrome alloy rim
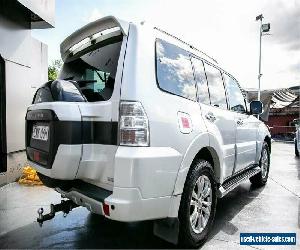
point(200, 205)
point(264, 163)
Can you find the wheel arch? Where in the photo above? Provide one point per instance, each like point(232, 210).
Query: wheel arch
point(206, 152)
point(200, 148)
point(210, 154)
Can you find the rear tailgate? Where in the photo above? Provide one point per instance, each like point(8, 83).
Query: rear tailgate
point(54, 129)
point(100, 140)
point(78, 140)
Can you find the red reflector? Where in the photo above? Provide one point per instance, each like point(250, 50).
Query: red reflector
point(106, 209)
point(185, 122)
point(36, 156)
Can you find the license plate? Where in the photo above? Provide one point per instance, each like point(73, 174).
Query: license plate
point(40, 133)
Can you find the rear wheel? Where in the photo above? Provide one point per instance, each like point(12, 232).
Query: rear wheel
point(198, 205)
point(261, 178)
point(296, 149)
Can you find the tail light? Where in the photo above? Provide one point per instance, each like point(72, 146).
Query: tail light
point(134, 125)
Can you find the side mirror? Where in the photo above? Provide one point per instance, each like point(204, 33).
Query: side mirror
point(256, 107)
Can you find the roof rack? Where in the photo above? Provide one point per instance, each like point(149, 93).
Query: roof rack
point(191, 46)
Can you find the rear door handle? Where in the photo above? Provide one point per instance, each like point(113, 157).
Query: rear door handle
point(211, 117)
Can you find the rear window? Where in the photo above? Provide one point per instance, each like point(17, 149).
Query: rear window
point(87, 75)
point(94, 71)
point(174, 70)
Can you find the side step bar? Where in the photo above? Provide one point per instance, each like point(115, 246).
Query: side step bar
point(232, 183)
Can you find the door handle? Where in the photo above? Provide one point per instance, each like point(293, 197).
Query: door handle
point(210, 117)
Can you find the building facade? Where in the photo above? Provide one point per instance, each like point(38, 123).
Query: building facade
point(23, 67)
point(281, 108)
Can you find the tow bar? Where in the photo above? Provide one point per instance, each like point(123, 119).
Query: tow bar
point(65, 206)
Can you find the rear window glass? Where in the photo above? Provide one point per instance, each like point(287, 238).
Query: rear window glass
point(94, 71)
point(174, 70)
point(87, 75)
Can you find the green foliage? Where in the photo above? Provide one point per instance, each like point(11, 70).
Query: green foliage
point(54, 69)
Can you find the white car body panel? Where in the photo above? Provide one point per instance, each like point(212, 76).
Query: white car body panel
point(65, 165)
point(246, 137)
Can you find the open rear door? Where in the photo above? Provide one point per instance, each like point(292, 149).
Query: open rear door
point(89, 30)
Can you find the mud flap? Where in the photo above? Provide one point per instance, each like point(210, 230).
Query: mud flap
point(167, 229)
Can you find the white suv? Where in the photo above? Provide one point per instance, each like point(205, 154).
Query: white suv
point(143, 126)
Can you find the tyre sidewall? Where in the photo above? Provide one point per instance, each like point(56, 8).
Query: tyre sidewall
point(296, 148)
point(265, 147)
point(200, 168)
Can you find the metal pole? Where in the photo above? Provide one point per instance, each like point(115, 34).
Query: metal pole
point(259, 67)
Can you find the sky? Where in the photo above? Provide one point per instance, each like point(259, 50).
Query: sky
point(226, 30)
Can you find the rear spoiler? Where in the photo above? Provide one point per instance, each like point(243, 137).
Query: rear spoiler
point(91, 29)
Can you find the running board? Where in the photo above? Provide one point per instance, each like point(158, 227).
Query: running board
point(232, 183)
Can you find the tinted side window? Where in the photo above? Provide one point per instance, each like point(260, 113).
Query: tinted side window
point(235, 96)
point(174, 70)
point(200, 77)
point(216, 87)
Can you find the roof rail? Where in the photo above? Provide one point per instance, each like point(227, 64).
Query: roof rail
point(191, 46)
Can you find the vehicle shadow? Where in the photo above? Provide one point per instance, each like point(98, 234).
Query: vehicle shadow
point(103, 233)
point(230, 205)
point(82, 229)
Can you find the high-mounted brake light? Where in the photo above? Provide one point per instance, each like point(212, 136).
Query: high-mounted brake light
point(134, 125)
point(94, 39)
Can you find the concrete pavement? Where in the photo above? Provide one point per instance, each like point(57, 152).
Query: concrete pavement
point(273, 208)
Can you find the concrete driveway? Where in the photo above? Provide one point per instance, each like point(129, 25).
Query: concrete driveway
point(273, 208)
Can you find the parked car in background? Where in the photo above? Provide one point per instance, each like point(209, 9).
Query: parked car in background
point(141, 126)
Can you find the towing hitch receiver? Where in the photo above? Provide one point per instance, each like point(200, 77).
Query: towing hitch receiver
point(65, 206)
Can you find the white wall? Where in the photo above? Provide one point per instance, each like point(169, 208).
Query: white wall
point(21, 84)
point(15, 41)
point(26, 69)
point(45, 9)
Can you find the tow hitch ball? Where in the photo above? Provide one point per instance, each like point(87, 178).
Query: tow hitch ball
point(65, 206)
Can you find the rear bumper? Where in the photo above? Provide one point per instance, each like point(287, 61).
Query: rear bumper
point(143, 183)
point(153, 170)
point(126, 204)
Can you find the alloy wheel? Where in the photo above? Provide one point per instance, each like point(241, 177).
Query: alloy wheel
point(200, 204)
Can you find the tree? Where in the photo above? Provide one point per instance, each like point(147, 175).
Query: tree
point(54, 69)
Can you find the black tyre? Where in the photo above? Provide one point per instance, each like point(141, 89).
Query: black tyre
point(198, 205)
point(261, 178)
point(296, 149)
